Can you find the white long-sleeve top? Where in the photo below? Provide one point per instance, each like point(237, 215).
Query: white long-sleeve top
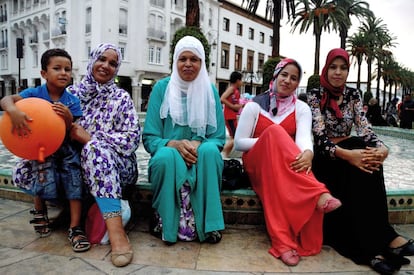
point(243, 139)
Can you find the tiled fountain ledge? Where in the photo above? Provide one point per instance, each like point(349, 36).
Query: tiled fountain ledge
point(243, 206)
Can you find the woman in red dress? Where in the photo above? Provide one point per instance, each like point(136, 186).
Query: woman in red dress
point(274, 132)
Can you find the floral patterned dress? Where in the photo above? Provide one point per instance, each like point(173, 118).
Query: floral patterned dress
point(108, 159)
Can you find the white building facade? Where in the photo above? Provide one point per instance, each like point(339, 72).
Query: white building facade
point(142, 29)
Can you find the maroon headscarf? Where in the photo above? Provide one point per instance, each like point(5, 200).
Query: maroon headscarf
point(332, 93)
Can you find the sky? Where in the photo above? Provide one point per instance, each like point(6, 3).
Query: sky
point(397, 15)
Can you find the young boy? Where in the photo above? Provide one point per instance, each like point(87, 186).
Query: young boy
point(230, 98)
point(61, 170)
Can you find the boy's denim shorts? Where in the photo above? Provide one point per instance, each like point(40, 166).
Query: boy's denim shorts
point(59, 175)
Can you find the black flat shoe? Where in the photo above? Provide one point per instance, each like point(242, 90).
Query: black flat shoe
point(382, 266)
point(396, 261)
point(406, 249)
point(213, 237)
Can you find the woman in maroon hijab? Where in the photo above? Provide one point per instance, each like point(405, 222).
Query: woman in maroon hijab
point(351, 168)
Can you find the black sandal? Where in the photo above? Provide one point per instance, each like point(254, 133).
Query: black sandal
point(78, 239)
point(40, 223)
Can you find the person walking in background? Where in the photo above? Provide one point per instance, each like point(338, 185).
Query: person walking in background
point(109, 133)
point(184, 133)
point(62, 169)
point(351, 168)
point(231, 100)
point(274, 135)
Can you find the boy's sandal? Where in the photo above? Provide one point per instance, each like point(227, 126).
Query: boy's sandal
point(40, 223)
point(78, 239)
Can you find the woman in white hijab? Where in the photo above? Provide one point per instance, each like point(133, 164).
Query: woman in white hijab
point(184, 133)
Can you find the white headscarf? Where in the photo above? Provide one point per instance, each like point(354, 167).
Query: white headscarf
point(190, 103)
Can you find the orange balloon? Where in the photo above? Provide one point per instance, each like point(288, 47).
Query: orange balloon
point(47, 130)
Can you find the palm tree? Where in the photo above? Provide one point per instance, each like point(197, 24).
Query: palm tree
point(274, 10)
point(359, 9)
point(372, 28)
point(192, 15)
point(388, 74)
point(322, 15)
point(358, 47)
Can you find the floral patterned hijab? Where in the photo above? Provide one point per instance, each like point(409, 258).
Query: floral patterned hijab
point(89, 88)
point(278, 104)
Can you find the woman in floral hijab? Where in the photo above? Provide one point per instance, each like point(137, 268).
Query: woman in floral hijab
point(109, 132)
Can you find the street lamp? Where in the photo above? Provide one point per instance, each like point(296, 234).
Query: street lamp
point(250, 76)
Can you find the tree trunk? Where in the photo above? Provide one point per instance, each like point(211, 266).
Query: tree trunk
point(369, 71)
point(192, 16)
point(343, 34)
point(277, 12)
point(383, 97)
point(378, 81)
point(359, 77)
point(317, 51)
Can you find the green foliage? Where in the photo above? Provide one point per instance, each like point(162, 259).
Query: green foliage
point(268, 69)
point(192, 31)
point(367, 96)
point(313, 82)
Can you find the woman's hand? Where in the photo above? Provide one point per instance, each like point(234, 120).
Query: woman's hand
point(368, 160)
point(374, 157)
point(79, 134)
point(64, 112)
point(303, 162)
point(187, 150)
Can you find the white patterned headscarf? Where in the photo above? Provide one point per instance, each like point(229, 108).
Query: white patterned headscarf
point(190, 103)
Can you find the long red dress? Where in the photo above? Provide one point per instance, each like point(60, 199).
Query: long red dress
point(289, 198)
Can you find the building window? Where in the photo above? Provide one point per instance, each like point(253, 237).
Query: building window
point(35, 59)
point(88, 49)
point(261, 37)
point(158, 55)
point(122, 50)
point(250, 60)
point(88, 21)
point(271, 41)
point(239, 29)
point(210, 17)
point(226, 24)
point(154, 55)
point(251, 33)
point(123, 21)
point(201, 9)
point(260, 61)
point(238, 58)
point(179, 4)
point(225, 54)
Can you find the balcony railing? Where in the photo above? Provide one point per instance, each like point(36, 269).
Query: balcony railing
point(157, 34)
point(158, 3)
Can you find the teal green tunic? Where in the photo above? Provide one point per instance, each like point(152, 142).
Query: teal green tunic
point(167, 170)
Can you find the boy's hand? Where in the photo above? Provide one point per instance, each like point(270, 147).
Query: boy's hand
point(20, 121)
point(64, 112)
